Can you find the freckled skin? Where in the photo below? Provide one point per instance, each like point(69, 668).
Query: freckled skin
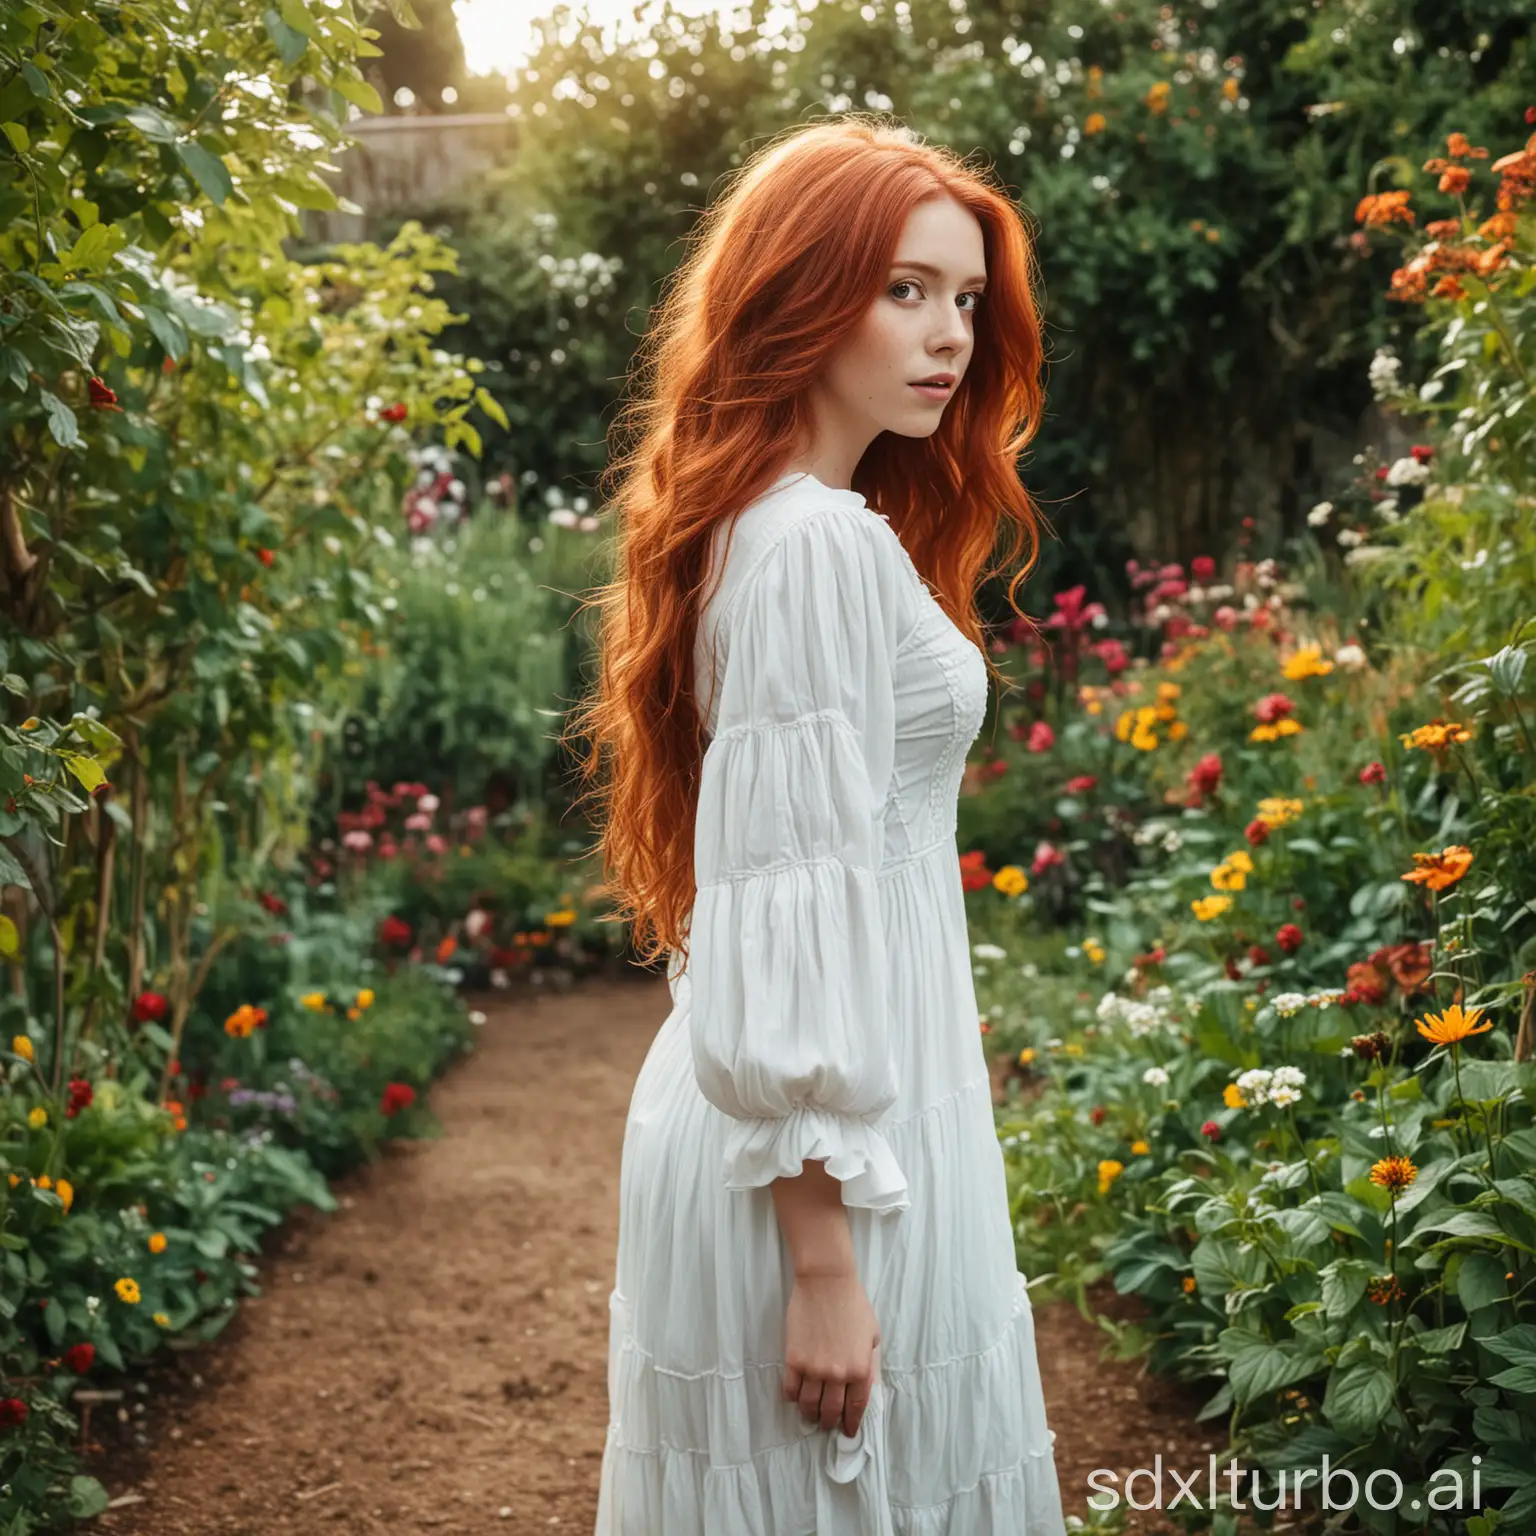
point(920, 324)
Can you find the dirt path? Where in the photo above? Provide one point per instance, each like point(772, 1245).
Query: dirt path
point(431, 1358)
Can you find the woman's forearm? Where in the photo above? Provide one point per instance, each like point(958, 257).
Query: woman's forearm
point(814, 1221)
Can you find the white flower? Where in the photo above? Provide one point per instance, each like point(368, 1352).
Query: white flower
point(1477, 562)
point(1172, 842)
point(1288, 1077)
point(332, 544)
point(1384, 369)
point(1350, 537)
point(563, 517)
point(1364, 555)
point(1218, 594)
point(1156, 1076)
point(1029, 970)
point(1160, 997)
point(989, 952)
point(1284, 1096)
point(1109, 1009)
point(1320, 514)
point(1407, 472)
point(1324, 998)
point(1350, 656)
point(501, 981)
point(427, 804)
point(476, 1017)
point(1254, 1084)
point(1288, 1003)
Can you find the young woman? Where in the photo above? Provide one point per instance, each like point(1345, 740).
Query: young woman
point(818, 1325)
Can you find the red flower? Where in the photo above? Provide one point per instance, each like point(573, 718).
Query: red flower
point(1096, 1114)
point(1258, 955)
point(1272, 707)
point(1211, 1131)
point(1422, 452)
point(1381, 474)
point(974, 874)
point(1366, 984)
point(1082, 784)
point(445, 948)
point(150, 1007)
point(273, 904)
point(394, 931)
point(79, 1358)
point(1041, 737)
point(265, 556)
point(1233, 973)
point(1373, 773)
point(1154, 956)
point(1256, 831)
point(102, 398)
point(1205, 776)
point(1202, 567)
point(1530, 114)
point(396, 412)
point(1047, 856)
point(396, 1096)
point(1289, 938)
point(12, 1412)
point(80, 1095)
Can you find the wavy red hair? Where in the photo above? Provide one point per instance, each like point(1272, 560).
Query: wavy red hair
point(780, 270)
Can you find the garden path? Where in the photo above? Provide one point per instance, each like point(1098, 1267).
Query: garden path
point(430, 1359)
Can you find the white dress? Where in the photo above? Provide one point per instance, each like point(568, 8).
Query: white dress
point(827, 1011)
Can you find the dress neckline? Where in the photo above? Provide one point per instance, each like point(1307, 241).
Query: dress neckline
point(793, 477)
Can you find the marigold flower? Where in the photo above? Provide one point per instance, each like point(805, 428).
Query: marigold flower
point(1394, 1173)
point(1156, 99)
point(560, 919)
point(1188, 1283)
point(1232, 1097)
point(1094, 123)
point(365, 998)
point(1440, 870)
point(37, 1117)
point(1094, 951)
point(1438, 737)
point(1453, 1025)
point(127, 1290)
point(1230, 88)
point(1110, 1169)
point(1011, 880)
point(1208, 907)
point(314, 1001)
point(21, 1046)
point(162, 1319)
point(1140, 1148)
point(244, 1021)
point(1306, 662)
point(66, 1193)
point(1026, 1056)
point(1455, 179)
point(445, 949)
point(156, 1242)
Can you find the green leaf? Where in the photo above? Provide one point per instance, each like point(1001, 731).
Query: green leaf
point(404, 15)
point(1480, 1280)
point(37, 81)
point(86, 769)
point(1357, 1399)
point(17, 135)
point(491, 406)
point(297, 16)
point(358, 92)
point(86, 1497)
point(207, 170)
point(152, 123)
point(291, 44)
point(55, 1323)
point(61, 421)
point(1518, 1378)
point(91, 252)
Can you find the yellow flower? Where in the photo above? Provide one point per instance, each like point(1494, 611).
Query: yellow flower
point(1094, 950)
point(314, 1001)
point(1393, 1173)
point(1208, 907)
point(1231, 90)
point(1094, 123)
point(66, 1193)
point(1124, 725)
point(1011, 880)
point(1110, 1168)
point(561, 919)
point(43, 1181)
point(37, 1118)
point(127, 1290)
point(163, 1319)
point(1168, 692)
point(354, 1014)
point(1140, 1148)
point(1286, 726)
point(1144, 738)
point(15, 1179)
point(365, 998)
point(1240, 860)
point(1454, 1025)
point(1156, 98)
point(1189, 1284)
point(1263, 733)
point(1177, 731)
point(1438, 737)
point(1232, 1097)
point(22, 1047)
point(1226, 877)
point(1026, 1056)
point(1305, 663)
point(1278, 811)
point(156, 1242)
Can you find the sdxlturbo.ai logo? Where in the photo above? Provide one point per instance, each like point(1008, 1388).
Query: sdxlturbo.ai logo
point(1337, 1488)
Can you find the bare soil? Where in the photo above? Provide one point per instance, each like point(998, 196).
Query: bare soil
point(431, 1358)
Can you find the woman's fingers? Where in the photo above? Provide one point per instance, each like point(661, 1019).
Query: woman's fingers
point(854, 1404)
point(832, 1394)
point(792, 1379)
point(810, 1397)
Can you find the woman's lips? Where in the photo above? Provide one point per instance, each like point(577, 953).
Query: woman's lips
point(934, 391)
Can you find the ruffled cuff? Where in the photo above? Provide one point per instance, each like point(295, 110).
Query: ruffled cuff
point(856, 1154)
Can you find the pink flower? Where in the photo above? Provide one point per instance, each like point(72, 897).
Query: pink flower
point(1205, 777)
point(1226, 617)
point(358, 841)
point(1203, 567)
point(1047, 856)
point(1373, 773)
point(1272, 707)
point(1072, 613)
point(1211, 1131)
point(1041, 737)
point(1081, 784)
point(1114, 656)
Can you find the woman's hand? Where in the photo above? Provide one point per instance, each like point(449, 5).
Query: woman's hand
point(830, 1340)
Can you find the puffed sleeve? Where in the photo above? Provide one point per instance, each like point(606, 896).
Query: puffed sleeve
point(789, 1020)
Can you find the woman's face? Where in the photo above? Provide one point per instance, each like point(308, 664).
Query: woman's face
point(922, 326)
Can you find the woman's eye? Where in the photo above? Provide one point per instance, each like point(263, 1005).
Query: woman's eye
point(906, 282)
point(974, 293)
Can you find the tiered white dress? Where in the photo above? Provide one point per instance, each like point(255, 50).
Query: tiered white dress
point(827, 1010)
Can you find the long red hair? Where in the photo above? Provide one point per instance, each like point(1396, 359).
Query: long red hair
point(781, 268)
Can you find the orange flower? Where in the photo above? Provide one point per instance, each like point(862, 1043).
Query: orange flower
point(1394, 1173)
point(1156, 98)
point(1438, 737)
point(1455, 179)
point(1380, 209)
point(446, 948)
point(1454, 1025)
point(1448, 287)
point(1459, 147)
point(1440, 870)
point(1094, 123)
